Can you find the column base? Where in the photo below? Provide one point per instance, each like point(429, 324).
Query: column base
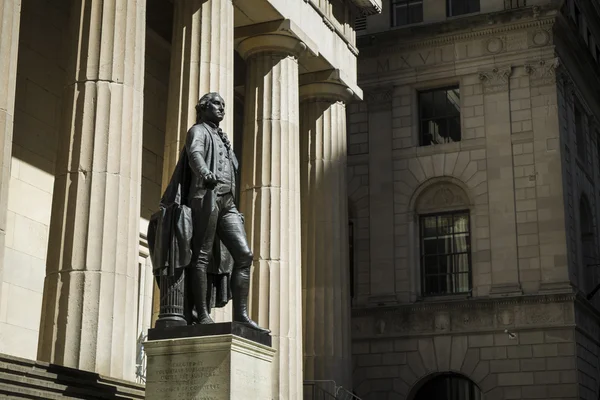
point(223, 361)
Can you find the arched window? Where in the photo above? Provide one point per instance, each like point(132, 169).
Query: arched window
point(445, 240)
point(587, 245)
point(448, 387)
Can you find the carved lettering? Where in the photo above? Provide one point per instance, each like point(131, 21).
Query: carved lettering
point(383, 65)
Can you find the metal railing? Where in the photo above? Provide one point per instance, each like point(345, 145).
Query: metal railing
point(326, 390)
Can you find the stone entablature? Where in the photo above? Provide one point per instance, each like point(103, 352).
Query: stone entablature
point(465, 316)
point(465, 52)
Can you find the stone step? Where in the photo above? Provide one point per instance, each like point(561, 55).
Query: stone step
point(22, 378)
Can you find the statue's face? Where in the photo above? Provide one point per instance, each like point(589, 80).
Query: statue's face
point(215, 110)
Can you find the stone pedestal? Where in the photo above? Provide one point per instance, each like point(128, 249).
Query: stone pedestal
point(217, 362)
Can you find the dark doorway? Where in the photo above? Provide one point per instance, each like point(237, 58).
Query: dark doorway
point(449, 387)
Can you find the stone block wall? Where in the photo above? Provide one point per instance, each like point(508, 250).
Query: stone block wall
point(515, 349)
point(40, 77)
point(40, 73)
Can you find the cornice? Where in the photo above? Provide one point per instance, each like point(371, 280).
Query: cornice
point(373, 50)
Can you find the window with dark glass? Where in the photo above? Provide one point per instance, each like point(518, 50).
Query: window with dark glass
point(439, 113)
point(587, 243)
point(460, 7)
point(351, 256)
point(405, 12)
point(445, 253)
point(579, 133)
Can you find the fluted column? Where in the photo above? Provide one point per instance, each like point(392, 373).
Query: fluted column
point(201, 62)
point(325, 269)
point(270, 199)
point(88, 316)
point(10, 18)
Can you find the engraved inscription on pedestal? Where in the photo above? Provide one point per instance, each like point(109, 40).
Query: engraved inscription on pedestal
point(220, 367)
point(177, 377)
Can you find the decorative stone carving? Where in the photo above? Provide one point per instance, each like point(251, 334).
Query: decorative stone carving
point(539, 38)
point(495, 45)
point(442, 196)
point(379, 99)
point(543, 72)
point(495, 80)
point(442, 322)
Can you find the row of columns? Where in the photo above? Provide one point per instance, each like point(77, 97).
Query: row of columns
point(293, 189)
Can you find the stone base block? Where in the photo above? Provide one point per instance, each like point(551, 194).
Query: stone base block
point(214, 367)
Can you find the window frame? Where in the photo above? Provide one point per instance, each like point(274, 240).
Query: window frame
point(423, 274)
point(579, 120)
point(449, 8)
point(422, 119)
point(407, 4)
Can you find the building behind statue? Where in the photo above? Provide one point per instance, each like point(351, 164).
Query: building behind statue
point(472, 177)
point(474, 186)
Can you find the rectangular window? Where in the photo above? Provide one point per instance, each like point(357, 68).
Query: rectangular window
point(406, 12)
point(460, 7)
point(579, 133)
point(511, 4)
point(439, 113)
point(445, 253)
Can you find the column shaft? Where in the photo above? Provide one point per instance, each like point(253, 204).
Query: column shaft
point(201, 62)
point(10, 18)
point(325, 269)
point(88, 316)
point(270, 199)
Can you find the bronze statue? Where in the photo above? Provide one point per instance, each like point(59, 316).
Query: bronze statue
point(197, 240)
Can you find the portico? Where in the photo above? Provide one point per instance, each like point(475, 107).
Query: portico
point(289, 67)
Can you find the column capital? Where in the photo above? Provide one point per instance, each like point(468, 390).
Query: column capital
point(327, 91)
point(271, 43)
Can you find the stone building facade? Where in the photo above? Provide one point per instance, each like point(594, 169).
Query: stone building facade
point(474, 196)
point(95, 99)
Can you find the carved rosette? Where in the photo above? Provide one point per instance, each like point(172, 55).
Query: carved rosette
point(543, 72)
point(495, 80)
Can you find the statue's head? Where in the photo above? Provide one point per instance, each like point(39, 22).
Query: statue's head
point(210, 108)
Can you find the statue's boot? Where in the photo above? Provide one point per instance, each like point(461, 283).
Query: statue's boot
point(240, 282)
point(199, 287)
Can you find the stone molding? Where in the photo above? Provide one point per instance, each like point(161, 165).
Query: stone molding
point(325, 91)
point(271, 43)
point(460, 316)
